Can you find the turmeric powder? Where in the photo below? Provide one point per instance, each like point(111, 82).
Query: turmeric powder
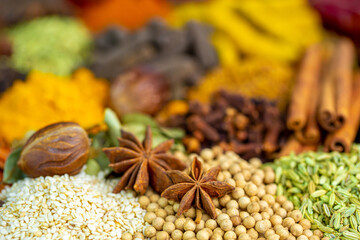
point(252, 78)
point(45, 98)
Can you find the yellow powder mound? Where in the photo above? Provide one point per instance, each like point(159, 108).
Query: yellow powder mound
point(46, 98)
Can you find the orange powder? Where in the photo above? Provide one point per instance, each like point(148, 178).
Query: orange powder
point(130, 14)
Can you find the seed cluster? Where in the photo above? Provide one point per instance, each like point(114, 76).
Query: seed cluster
point(63, 207)
point(251, 211)
point(325, 187)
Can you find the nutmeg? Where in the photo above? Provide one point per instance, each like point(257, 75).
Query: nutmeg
point(56, 149)
point(139, 91)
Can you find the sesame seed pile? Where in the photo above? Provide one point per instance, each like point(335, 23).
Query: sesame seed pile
point(69, 207)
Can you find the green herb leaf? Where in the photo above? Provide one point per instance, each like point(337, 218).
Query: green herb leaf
point(12, 172)
point(114, 125)
point(102, 161)
point(175, 133)
point(139, 118)
point(92, 167)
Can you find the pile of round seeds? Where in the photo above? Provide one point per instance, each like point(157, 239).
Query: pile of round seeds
point(63, 207)
point(251, 211)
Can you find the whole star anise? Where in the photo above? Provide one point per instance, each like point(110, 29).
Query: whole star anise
point(196, 189)
point(141, 164)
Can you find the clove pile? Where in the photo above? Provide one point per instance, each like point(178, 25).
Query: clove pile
point(182, 56)
point(248, 126)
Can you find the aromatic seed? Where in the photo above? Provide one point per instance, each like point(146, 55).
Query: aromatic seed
point(83, 196)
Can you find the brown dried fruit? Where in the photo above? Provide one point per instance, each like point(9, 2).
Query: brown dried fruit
point(139, 91)
point(196, 189)
point(56, 149)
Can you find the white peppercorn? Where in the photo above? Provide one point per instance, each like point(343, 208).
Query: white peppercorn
point(230, 235)
point(158, 223)
point(189, 225)
point(296, 230)
point(226, 225)
point(150, 231)
point(177, 234)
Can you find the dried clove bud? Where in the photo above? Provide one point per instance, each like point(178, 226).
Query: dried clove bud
point(249, 127)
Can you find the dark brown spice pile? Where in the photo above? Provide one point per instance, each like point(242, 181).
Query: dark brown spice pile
point(12, 12)
point(181, 55)
point(7, 75)
point(249, 127)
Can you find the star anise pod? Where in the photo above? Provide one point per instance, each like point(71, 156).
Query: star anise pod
point(141, 164)
point(196, 189)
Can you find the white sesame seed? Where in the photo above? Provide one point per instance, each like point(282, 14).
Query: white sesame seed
point(68, 207)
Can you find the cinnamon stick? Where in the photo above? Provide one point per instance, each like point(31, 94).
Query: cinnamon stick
point(311, 133)
point(292, 145)
point(273, 126)
point(343, 80)
point(310, 147)
point(301, 97)
point(342, 139)
point(336, 87)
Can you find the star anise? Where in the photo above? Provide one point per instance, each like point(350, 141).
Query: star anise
point(196, 189)
point(141, 164)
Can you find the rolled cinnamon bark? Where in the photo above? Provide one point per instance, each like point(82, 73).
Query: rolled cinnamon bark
point(308, 148)
point(273, 127)
point(336, 87)
point(311, 133)
point(301, 96)
point(343, 80)
point(342, 139)
point(292, 145)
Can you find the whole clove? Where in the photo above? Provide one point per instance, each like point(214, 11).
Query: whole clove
point(249, 127)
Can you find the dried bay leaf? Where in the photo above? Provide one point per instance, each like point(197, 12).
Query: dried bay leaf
point(12, 172)
point(114, 126)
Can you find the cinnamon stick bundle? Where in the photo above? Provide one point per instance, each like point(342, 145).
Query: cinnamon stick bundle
point(301, 97)
point(336, 87)
point(342, 139)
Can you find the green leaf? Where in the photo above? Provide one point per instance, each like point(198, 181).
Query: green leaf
point(102, 161)
point(175, 133)
point(113, 124)
point(139, 118)
point(12, 172)
point(92, 167)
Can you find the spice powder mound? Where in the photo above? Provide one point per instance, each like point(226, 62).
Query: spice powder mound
point(63, 207)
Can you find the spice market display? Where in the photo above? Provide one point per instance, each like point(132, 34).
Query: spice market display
point(179, 120)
